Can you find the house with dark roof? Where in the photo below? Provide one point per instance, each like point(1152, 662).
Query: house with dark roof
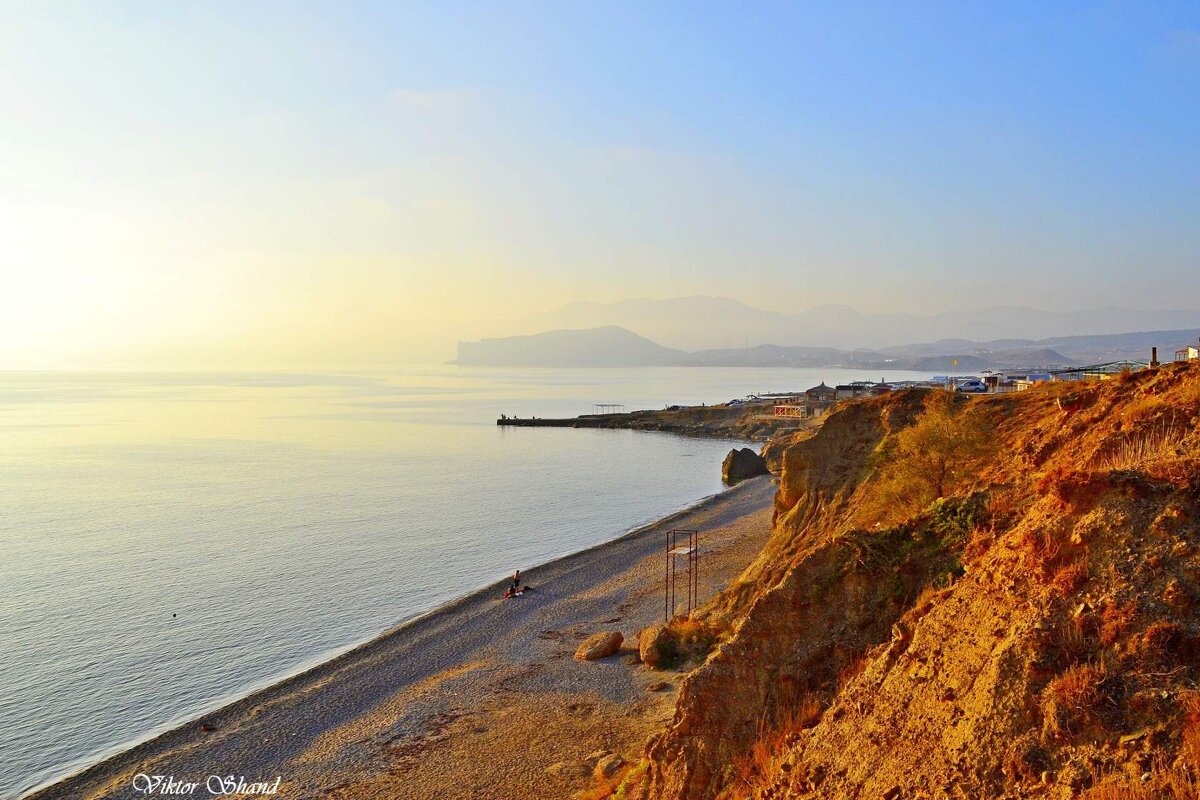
point(821, 392)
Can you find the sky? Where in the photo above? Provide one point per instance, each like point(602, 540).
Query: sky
point(217, 183)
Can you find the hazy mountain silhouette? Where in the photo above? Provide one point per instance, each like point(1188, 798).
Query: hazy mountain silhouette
point(613, 346)
point(608, 346)
point(705, 323)
point(1083, 349)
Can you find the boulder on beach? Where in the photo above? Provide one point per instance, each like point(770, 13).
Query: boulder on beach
point(599, 645)
point(655, 645)
point(609, 766)
point(742, 464)
point(568, 769)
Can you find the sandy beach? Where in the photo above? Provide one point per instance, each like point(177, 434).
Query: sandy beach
point(481, 698)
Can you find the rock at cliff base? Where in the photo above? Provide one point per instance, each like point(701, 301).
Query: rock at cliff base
point(742, 464)
point(567, 769)
point(609, 766)
point(600, 645)
point(656, 646)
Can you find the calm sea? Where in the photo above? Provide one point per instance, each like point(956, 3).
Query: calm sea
point(169, 542)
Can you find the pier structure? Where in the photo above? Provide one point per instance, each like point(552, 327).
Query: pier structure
point(608, 408)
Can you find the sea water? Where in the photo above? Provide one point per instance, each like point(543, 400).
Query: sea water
point(172, 541)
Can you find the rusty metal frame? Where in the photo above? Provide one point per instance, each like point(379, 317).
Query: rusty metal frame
point(681, 542)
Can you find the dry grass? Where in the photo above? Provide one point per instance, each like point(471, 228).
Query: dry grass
point(1115, 622)
point(1073, 640)
point(1162, 784)
point(1143, 408)
point(1188, 396)
point(1071, 577)
point(1143, 448)
point(1189, 738)
point(808, 712)
point(1123, 791)
point(924, 600)
point(1074, 488)
point(1071, 702)
point(1161, 643)
point(1040, 549)
point(851, 670)
point(772, 745)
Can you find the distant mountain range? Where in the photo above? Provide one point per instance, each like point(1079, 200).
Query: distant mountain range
point(608, 346)
point(614, 346)
point(699, 323)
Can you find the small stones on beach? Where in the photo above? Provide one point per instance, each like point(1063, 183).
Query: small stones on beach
point(658, 686)
point(599, 645)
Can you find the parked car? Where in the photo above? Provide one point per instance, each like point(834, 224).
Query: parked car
point(972, 387)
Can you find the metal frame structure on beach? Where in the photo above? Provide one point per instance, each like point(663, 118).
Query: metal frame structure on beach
point(689, 549)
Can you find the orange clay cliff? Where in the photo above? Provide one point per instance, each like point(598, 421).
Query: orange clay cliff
point(961, 598)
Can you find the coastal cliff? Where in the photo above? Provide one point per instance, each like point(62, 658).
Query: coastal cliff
point(992, 597)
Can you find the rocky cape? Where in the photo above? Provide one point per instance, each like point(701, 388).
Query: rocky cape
point(753, 422)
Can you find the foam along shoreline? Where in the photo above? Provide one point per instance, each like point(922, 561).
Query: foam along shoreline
point(324, 725)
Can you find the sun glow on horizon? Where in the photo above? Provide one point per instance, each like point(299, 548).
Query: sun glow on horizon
point(371, 184)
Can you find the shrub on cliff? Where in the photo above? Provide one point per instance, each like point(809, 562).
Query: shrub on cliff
point(941, 452)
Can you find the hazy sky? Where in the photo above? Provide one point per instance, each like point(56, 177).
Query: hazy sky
point(258, 181)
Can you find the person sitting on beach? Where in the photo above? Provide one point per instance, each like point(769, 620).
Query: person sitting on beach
point(514, 587)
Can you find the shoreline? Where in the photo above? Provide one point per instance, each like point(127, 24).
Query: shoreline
point(103, 778)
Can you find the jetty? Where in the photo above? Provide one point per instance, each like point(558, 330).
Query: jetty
point(749, 421)
point(582, 421)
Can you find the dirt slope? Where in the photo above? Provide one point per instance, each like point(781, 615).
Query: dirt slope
point(1017, 619)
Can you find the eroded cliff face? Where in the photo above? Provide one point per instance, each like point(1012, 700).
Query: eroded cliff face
point(801, 620)
point(1034, 633)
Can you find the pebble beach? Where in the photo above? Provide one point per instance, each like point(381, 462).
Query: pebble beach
point(481, 698)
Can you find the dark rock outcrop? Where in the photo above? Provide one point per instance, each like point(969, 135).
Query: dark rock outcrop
point(742, 464)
